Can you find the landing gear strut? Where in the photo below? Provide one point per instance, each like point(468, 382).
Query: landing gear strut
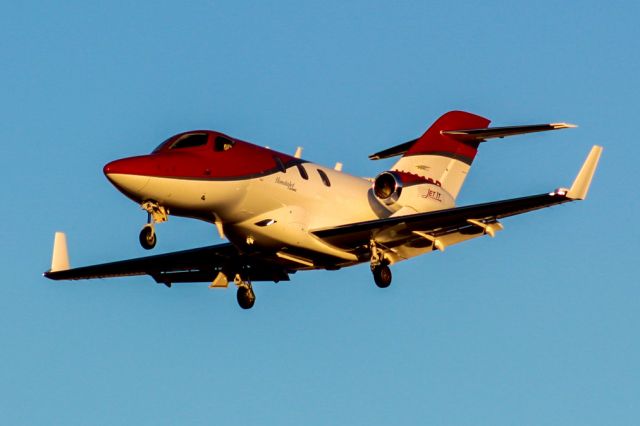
point(155, 214)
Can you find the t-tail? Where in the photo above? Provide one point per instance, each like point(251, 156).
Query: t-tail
point(445, 152)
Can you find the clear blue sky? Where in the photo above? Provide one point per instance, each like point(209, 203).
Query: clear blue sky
point(537, 326)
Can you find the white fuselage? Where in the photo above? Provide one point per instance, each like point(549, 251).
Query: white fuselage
point(279, 209)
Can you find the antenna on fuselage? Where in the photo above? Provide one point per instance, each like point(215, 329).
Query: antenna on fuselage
point(338, 166)
point(298, 153)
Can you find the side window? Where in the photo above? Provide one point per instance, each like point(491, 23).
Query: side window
point(279, 164)
point(223, 144)
point(302, 171)
point(324, 177)
point(190, 141)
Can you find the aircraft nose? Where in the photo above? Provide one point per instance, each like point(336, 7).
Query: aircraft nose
point(128, 174)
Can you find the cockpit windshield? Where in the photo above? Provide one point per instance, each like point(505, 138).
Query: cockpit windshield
point(189, 140)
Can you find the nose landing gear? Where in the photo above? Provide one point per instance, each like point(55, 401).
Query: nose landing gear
point(155, 214)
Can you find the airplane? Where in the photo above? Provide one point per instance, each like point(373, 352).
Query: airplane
point(282, 214)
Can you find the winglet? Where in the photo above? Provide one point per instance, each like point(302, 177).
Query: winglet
point(563, 126)
point(60, 258)
point(581, 184)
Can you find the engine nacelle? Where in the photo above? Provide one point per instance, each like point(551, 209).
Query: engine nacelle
point(399, 190)
point(388, 187)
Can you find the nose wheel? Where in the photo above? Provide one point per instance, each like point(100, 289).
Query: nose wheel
point(148, 237)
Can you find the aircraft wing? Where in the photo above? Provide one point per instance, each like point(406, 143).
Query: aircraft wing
point(471, 220)
point(401, 229)
point(195, 265)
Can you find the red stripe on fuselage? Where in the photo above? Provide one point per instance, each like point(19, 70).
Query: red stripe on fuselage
point(243, 160)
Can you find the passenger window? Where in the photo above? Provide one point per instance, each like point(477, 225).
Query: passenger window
point(302, 171)
point(324, 177)
point(190, 141)
point(223, 144)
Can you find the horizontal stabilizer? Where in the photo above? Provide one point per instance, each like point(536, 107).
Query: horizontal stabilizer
point(581, 184)
point(475, 136)
point(393, 151)
point(481, 135)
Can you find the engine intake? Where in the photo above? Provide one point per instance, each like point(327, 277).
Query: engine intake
point(387, 187)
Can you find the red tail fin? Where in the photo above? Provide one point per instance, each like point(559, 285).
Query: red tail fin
point(435, 143)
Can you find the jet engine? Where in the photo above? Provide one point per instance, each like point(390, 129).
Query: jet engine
point(406, 193)
point(388, 187)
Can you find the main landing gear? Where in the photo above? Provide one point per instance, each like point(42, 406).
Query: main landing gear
point(382, 275)
point(380, 267)
point(245, 295)
point(155, 214)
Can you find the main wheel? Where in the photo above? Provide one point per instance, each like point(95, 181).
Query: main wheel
point(147, 238)
point(382, 276)
point(246, 297)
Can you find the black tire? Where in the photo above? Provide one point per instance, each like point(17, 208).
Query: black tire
point(246, 297)
point(382, 276)
point(147, 238)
